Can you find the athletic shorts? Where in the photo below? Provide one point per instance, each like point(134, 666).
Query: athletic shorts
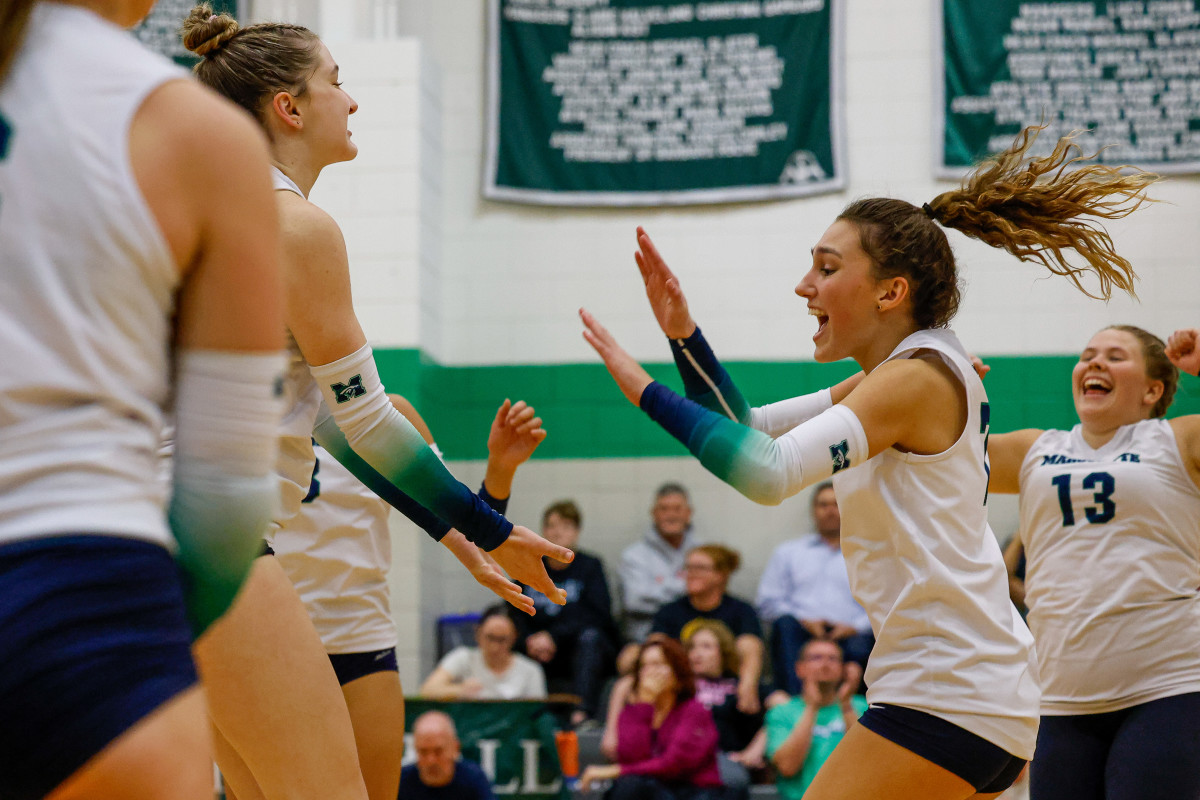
point(93, 637)
point(987, 767)
point(352, 666)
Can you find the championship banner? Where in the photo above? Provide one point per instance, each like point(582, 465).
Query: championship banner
point(512, 740)
point(1127, 73)
point(160, 29)
point(661, 102)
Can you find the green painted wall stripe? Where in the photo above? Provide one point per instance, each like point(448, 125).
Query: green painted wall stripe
point(587, 417)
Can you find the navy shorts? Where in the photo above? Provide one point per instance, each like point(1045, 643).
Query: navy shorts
point(93, 637)
point(987, 767)
point(352, 666)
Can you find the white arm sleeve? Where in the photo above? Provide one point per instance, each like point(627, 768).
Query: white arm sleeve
point(777, 419)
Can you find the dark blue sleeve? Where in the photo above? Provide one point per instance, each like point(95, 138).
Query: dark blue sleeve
point(472, 782)
point(499, 506)
point(704, 379)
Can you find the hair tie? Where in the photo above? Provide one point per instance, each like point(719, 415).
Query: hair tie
point(213, 18)
point(928, 209)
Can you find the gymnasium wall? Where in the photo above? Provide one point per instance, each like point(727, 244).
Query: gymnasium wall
point(469, 301)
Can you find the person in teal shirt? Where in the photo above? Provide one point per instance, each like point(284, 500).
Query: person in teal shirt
point(802, 732)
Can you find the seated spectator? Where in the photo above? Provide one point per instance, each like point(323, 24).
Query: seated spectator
point(741, 741)
point(651, 570)
point(491, 671)
point(805, 594)
point(575, 642)
point(666, 740)
point(802, 732)
point(706, 577)
point(440, 773)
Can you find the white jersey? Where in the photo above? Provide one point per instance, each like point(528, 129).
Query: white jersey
point(88, 289)
point(925, 565)
point(1112, 548)
point(302, 401)
point(337, 551)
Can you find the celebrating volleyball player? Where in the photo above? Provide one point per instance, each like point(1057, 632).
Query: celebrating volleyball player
point(283, 729)
point(337, 552)
point(1110, 520)
point(139, 282)
point(953, 680)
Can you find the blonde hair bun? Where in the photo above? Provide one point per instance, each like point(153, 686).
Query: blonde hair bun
point(204, 33)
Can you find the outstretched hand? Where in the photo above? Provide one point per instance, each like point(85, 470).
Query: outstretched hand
point(487, 572)
point(516, 432)
point(663, 290)
point(521, 557)
point(626, 371)
point(1183, 351)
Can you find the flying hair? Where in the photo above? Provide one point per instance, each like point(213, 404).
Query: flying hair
point(1042, 209)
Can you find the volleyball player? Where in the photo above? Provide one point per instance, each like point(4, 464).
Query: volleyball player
point(282, 724)
point(138, 282)
point(337, 553)
point(953, 680)
point(1110, 520)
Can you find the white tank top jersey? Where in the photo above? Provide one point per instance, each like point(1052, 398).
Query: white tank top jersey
point(302, 400)
point(337, 551)
point(1112, 548)
point(88, 289)
point(925, 565)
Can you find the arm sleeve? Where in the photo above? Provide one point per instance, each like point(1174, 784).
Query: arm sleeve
point(635, 737)
point(227, 411)
point(389, 443)
point(765, 470)
point(777, 419)
point(692, 741)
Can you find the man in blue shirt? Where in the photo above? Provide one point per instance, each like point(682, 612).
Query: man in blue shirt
point(439, 772)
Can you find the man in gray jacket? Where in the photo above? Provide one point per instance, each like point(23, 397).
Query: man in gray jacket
point(651, 571)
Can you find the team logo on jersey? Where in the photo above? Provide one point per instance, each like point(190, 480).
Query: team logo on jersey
point(345, 392)
point(841, 455)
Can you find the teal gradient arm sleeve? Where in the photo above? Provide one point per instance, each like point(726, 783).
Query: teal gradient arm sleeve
point(224, 489)
point(764, 469)
point(704, 379)
point(389, 443)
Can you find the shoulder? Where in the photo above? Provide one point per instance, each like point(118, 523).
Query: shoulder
point(586, 561)
point(306, 226)
point(469, 771)
point(456, 658)
point(785, 711)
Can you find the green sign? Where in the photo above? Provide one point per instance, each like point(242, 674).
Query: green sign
point(1126, 73)
point(650, 102)
point(160, 29)
point(512, 740)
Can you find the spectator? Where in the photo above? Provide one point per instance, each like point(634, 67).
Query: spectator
point(651, 569)
point(575, 642)
point(491, 671)
point(440, 772)
point(741, 739)
point(666, 740)
point(805, 594)
point(706, 574)
point(802, 732)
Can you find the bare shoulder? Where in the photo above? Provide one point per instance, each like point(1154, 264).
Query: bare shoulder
point(209, 129)
point(308, 230)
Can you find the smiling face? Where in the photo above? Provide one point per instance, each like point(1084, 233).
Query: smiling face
point(842, 293)
point(327, 109)
point(1109, 382)
point(704, 654)
point(672, 515)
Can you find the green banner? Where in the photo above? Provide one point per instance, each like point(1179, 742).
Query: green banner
point(160, 29)
point(638, 102)
point(1127, 73)
point(512, 740)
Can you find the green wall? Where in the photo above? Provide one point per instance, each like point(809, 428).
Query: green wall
point(587, 417)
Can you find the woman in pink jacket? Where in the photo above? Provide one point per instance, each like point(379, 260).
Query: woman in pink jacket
point(666, 740)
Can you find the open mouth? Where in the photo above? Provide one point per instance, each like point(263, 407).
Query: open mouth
point(822, 320)
point(1094, 386)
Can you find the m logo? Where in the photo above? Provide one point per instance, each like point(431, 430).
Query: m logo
point(345, 392)
point(841, 455)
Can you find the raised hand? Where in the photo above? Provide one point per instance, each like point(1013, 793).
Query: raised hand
point(1183, 351)
point(486, 572)
point(521, 557)
point(626, 371)
point(852, 676)
point(516, 432)
point(663, 290)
